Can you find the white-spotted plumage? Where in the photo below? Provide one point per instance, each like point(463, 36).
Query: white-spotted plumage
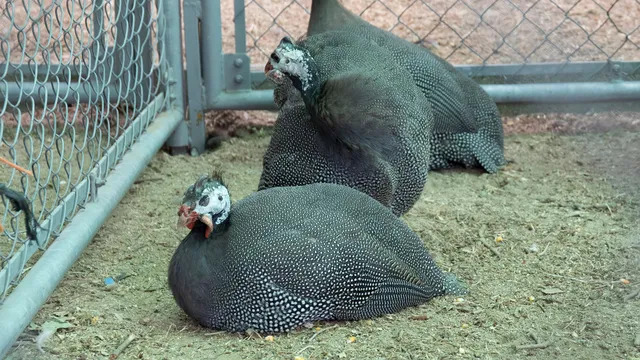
point(293, 255)
point(467, 126)
point(352, 128)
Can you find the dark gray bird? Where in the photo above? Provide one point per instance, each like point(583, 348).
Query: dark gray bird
point(283, 257)
point(20, 203)
point(348, 123)
point(467, 125)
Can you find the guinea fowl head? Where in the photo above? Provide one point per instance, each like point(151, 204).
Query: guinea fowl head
point(207, 201)
point(294, 61)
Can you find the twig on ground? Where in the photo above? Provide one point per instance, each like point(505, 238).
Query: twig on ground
point(120, 349)
point(494, 251)
point(321, 331)
point(534, 337)
point(545, 249)
point(304, 348)
point(140, 181)
point(533, 346)
point(592, 281)
point(632, 295)
point(214, 333)
point(485, 243)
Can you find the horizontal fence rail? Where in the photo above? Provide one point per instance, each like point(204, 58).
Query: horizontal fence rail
point(89, 91)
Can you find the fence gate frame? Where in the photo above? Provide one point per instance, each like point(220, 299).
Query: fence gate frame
point(224, 81)
point(90, 202)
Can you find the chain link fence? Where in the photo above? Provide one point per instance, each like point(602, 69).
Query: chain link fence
point(478, 32)
point(80, 80)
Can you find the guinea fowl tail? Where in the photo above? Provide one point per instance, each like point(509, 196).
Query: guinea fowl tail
point(488, 152)
point(350, 113)
point(453, 285)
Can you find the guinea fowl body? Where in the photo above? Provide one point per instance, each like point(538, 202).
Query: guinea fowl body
point(357, 130)
point(467, 125)
point(293, 255)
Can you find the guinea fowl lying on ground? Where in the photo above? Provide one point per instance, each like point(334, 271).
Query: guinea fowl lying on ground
point(467, 124)
point(283, 257)
point(347, 120)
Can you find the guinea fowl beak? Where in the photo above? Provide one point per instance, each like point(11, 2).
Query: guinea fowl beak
point(272, 73)
point(186, 216)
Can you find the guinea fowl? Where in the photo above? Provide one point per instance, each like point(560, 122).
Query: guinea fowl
point(287, 256)
point(347, 124)
point(467, 124)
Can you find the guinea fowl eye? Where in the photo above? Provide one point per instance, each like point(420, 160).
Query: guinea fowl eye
point(219, 197)
point(204, 201)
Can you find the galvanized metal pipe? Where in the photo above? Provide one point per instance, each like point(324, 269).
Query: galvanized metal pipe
point(173, 53)
point(240, 29)
point(211, 45)
point(34, 289)
point(52, 92)
point(245, 100)
point(560, 93)
point(502, 94)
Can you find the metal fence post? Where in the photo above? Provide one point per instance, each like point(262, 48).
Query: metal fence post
point(193, 43)
point(178, 142)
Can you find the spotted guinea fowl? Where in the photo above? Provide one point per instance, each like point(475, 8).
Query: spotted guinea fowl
point(348, 124)
point(283, 257)
point(467, 125)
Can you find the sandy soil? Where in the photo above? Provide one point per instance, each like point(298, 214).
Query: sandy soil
point(566, 210)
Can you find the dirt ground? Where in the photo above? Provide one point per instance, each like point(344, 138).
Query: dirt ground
point(564, 274)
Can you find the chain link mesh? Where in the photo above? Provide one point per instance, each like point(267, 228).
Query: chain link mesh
point(74, 74)
point(475, 32)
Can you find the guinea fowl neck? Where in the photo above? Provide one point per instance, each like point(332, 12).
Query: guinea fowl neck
point(309, 88)
point(195, 269)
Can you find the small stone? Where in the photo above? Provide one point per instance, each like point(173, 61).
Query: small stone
point(145, 321)
point(462, 351)
point(533, 248)
point(351, 340)
point(269, 338)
